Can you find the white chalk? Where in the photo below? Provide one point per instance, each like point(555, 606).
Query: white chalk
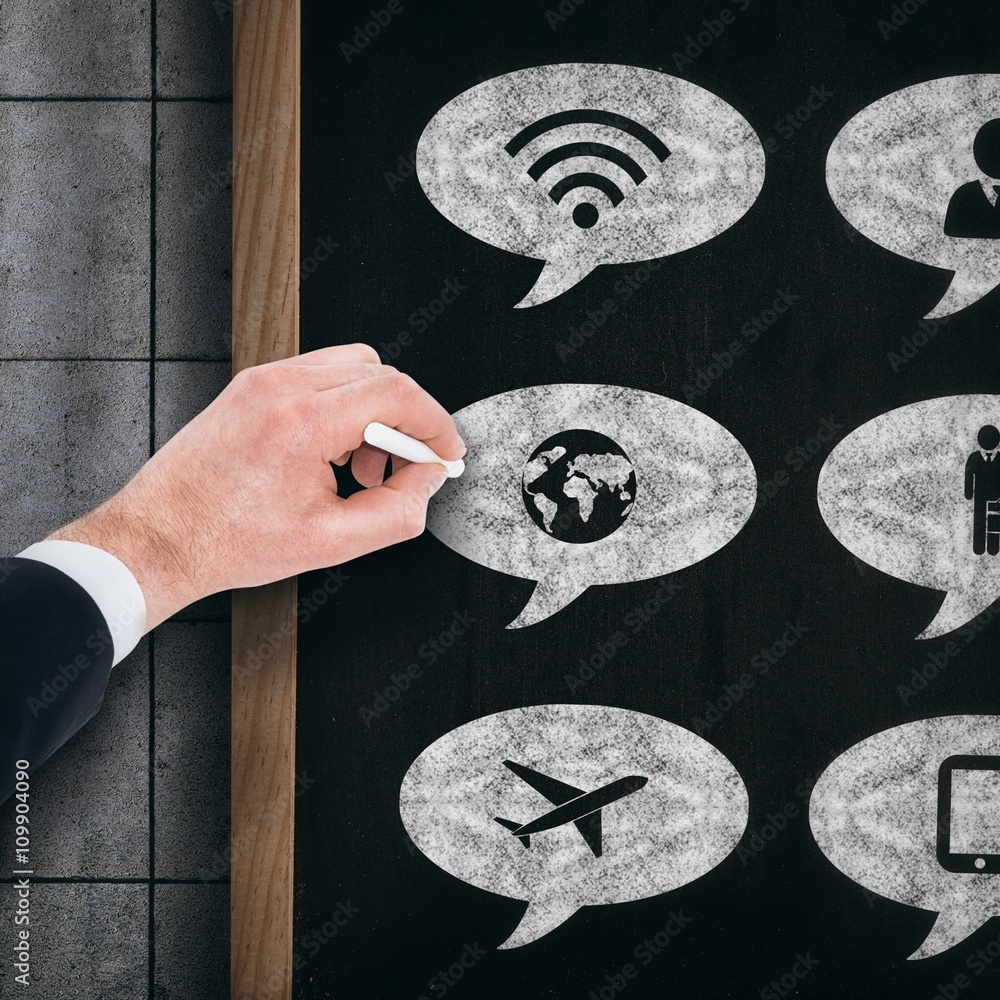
point(403, 446)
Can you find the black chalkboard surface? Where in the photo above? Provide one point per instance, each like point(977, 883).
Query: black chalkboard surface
point(781, 650)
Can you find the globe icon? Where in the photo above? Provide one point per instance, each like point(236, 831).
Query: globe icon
point(578, 486)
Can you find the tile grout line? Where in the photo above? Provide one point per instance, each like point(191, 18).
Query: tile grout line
point(117, 880)
point(138, 360)
point(151, 926)
point(107, 99)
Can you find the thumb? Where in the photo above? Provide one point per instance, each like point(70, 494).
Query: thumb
point(389, 513)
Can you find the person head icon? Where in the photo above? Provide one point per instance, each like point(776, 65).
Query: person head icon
point(989, 438)
point(986, 148)
point(973, 211)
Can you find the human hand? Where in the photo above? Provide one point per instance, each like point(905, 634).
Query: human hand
point(244, 494)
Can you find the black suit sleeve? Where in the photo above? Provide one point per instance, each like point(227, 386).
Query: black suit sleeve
point(55, 660)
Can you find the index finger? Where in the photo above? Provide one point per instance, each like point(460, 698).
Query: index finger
point(343, 354)
point(393, 399)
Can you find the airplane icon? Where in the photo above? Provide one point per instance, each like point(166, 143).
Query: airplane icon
point(573, 805)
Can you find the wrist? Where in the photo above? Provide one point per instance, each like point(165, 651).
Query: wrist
point(150, 553)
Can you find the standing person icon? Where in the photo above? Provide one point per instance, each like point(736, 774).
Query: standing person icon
point(982, 484)
point(974, 209)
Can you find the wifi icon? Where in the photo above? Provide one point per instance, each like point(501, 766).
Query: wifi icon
point(586, 214)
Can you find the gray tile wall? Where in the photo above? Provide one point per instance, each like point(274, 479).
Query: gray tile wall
point(115, 208)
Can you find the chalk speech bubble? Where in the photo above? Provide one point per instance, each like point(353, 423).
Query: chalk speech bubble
point(894, 493)
point(896, 166)
point(461, 806)
point(694, 489)
point(876, 814)
point(583, 164)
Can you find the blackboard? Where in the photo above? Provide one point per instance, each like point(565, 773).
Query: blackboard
point(782, 648)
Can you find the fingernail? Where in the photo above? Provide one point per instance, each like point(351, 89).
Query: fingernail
point(440, 478)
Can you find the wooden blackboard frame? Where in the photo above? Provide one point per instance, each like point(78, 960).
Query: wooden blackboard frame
point(267, 109)
point(266, 227)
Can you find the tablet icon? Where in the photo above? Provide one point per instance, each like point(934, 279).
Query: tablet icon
point(913, 814)
point(969, 815)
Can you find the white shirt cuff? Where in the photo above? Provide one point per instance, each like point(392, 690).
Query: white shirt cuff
point(115, 591)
